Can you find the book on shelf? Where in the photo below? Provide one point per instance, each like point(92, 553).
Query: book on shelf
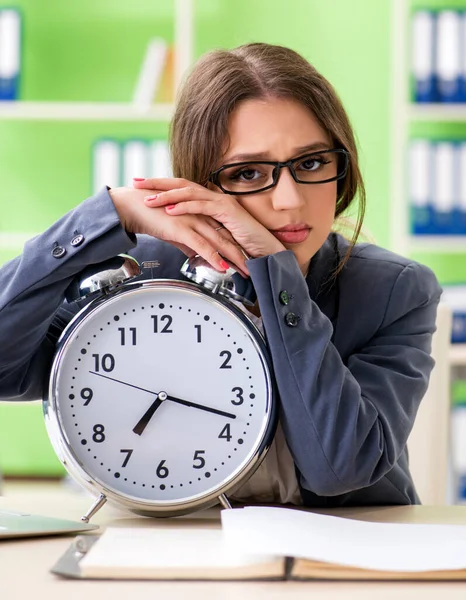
point(154, 75)
point(270, 543)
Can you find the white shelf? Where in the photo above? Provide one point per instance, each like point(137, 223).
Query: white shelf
point(457, 354)
point(84, 111)
point(437, 112)
point(437, 243)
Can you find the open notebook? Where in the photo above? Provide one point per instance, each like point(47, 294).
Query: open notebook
point(271, 543)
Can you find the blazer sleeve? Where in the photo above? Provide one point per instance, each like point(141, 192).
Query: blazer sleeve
point(32, 311)
point(346, 424)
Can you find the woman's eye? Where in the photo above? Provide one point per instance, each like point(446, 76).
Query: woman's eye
point(248, 174)
point(245, 175)
point(311, 164)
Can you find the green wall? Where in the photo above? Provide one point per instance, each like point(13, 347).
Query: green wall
point(91, 50)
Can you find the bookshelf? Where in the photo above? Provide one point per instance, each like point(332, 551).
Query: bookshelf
point(407, 117)
point(47, 138)
point(84, 111)
point(80, 115)
point(430, 121)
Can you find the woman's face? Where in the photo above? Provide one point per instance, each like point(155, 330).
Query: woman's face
point(281, 129)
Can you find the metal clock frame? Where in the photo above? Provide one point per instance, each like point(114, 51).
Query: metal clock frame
point(64, 450)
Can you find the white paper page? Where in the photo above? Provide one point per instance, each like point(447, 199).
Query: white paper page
point(380, 546)
point(140, 548)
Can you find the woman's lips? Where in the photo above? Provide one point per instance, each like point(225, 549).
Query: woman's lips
point(292, 237)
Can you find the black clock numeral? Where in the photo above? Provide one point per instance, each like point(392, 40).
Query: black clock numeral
point(132, 335)
point(199, 339)
point(166, 327)
point(99, 435)
point(199, 458)
point(225, 433)
point(107, 362)
point(86, 394)
point(162, 471)
point(239, 396)
point(128, 456)
point(225, 364)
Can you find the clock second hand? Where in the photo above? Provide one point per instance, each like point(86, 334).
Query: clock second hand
point(142, 423)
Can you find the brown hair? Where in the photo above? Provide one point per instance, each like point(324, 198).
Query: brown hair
point(222, 79)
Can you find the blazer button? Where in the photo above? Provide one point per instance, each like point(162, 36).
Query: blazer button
point(291, 319)
point(77, 240)
point(284, 297)
point(58, 251)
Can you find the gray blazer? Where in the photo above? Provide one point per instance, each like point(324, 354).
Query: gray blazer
point(350, 374)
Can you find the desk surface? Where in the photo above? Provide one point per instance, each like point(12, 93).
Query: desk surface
point(25, 564)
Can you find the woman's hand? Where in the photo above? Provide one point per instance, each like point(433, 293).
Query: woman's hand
point(192, 234)
point(182, 197)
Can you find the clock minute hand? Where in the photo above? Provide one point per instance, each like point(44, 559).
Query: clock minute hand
point(202, 407)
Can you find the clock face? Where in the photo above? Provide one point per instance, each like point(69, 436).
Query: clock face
point(161, 393)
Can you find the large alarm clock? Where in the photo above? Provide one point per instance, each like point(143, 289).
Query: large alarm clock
point(161, 396)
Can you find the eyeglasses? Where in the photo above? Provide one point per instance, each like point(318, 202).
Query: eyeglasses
point(257, 176)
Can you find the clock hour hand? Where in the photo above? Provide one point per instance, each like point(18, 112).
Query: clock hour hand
point(202, 407)
point(147, 416)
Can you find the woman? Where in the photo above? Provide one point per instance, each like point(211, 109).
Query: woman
point(265, 161)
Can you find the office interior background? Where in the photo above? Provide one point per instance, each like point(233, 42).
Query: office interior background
point(81, 90)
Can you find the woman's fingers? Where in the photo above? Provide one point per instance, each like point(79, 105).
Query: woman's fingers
point(164, 183)
point(182, 194)
point(216, 246)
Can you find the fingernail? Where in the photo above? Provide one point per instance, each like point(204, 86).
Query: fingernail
point(224, 265)
point(170, 206)
point(154, 197)
point(139, 178)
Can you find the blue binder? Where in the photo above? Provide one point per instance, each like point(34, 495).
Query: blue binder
point(448, 56)
point(10, 53)
point(422, 57)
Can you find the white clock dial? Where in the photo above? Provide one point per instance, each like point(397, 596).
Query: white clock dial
point(162, 393)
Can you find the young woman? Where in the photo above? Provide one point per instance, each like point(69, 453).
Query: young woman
point(265, 161)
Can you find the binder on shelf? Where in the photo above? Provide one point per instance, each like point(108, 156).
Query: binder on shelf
point(463, 56)
point(421, 163)
point(460, 216)
point(443, 198)
point(151, 72)
point(458, 439)
point(448, 56)
point(422, 55)
point(10, 53)
point(135, 161)
point(105, 165)
point(159, 160)
point(455, 297)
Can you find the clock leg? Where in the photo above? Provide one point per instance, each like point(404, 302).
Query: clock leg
point(101, 500)
point(224, 501)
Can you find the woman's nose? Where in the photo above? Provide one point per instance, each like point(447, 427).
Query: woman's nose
point(287, 194)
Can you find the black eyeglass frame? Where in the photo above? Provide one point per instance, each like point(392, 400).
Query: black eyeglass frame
point(214, 177)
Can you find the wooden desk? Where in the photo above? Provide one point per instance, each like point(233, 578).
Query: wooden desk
point(25, 564)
